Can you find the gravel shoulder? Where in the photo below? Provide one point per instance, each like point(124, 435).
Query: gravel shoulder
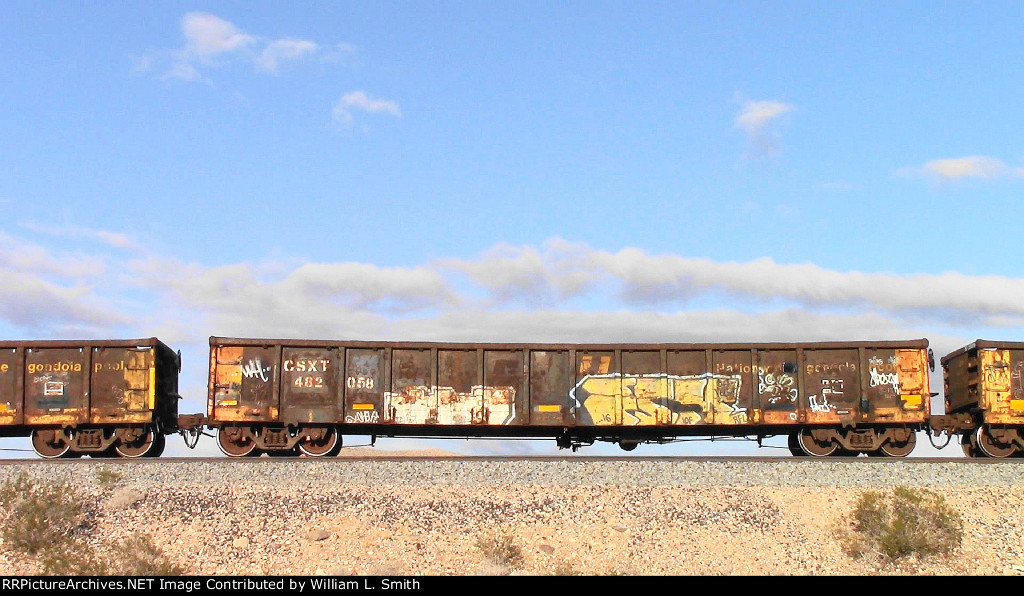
point(617, 517)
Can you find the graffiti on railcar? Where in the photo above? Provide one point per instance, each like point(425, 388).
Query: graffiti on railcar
point(830, 392)
point(363, 417)
point(423, 404)
point(884, 374)
point(776, 389)
point(648, 399)
point(254, 369)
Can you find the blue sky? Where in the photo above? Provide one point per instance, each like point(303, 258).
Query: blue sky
point(527, 171)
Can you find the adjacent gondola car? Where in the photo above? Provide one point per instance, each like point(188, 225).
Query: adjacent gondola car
point(286, 397)
point(102, 398)
point(984, 398)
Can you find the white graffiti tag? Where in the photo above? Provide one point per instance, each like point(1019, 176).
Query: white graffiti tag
point(777, 388)
point(362, 417)
point(816, 404)
point(254, 368)
point(878, 379)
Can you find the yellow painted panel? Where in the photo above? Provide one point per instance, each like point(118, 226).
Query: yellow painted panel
point(995, 366)
point(152, 387)
point(911, 401)
point(549, 408)
point(362, 406)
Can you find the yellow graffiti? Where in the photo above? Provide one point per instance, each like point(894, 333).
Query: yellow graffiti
point(634, 400)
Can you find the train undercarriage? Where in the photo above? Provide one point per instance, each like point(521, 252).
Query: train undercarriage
point(252, 440)
point(99, 441)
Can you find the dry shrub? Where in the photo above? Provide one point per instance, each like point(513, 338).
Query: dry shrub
point(502, 552)
point(139, 556)
point(107, 477)
point(125, 497)
point(39, 516)
point(45, 520)
point(909, 522)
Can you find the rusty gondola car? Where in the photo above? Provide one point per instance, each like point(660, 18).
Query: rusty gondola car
point(287, 397)
point(984, 398)
point(103, 398)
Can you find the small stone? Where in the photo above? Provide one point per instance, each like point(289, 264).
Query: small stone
point(318, 534)
point(240, 542)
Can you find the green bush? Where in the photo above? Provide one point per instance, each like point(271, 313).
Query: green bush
point(909, 522)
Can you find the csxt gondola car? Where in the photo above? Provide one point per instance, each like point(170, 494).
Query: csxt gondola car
point(288, 396)
point(102, 398)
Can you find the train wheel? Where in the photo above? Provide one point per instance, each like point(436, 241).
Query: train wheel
point(991, 446)
point(628, 445)
point(329, 444)
point(50, 443)
point(794, 446)
point(813, 447)
point(138, 447)
point(159, 442)
point(235, 442)
point(893, 449)
point(970, 445)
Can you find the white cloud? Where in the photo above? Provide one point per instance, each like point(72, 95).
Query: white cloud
point(32, 260)
point(754, 118)
point(213, 42)
point(45, 308)
point(755, 115)
point(563, 271)
point(359, 100)
point(207, 35)
point(959, 168)
point(284, 50)
point(549, 276)
point(182, 71)
point(46, 292)
point(114, 239)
